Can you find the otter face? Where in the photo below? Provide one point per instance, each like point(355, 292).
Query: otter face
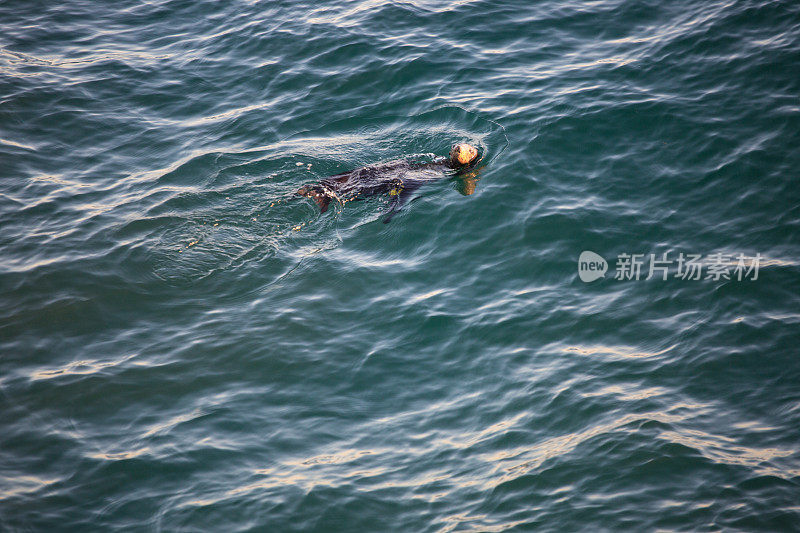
point(463, 154)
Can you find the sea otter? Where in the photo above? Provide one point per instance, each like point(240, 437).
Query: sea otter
point(387, 177)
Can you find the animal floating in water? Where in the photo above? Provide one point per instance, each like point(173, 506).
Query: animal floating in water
point(393, 177)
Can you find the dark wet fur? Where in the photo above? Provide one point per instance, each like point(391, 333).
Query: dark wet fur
point(373, 180)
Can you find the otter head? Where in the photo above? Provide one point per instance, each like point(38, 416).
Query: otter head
point(463, 154)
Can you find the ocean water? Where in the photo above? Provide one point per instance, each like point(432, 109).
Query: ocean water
point(187, 345)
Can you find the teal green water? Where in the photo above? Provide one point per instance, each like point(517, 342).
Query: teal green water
point(186, 345)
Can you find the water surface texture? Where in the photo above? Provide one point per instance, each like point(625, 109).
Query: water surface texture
point(187, 345)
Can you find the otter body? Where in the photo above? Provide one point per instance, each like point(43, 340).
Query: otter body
point(397, 178)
